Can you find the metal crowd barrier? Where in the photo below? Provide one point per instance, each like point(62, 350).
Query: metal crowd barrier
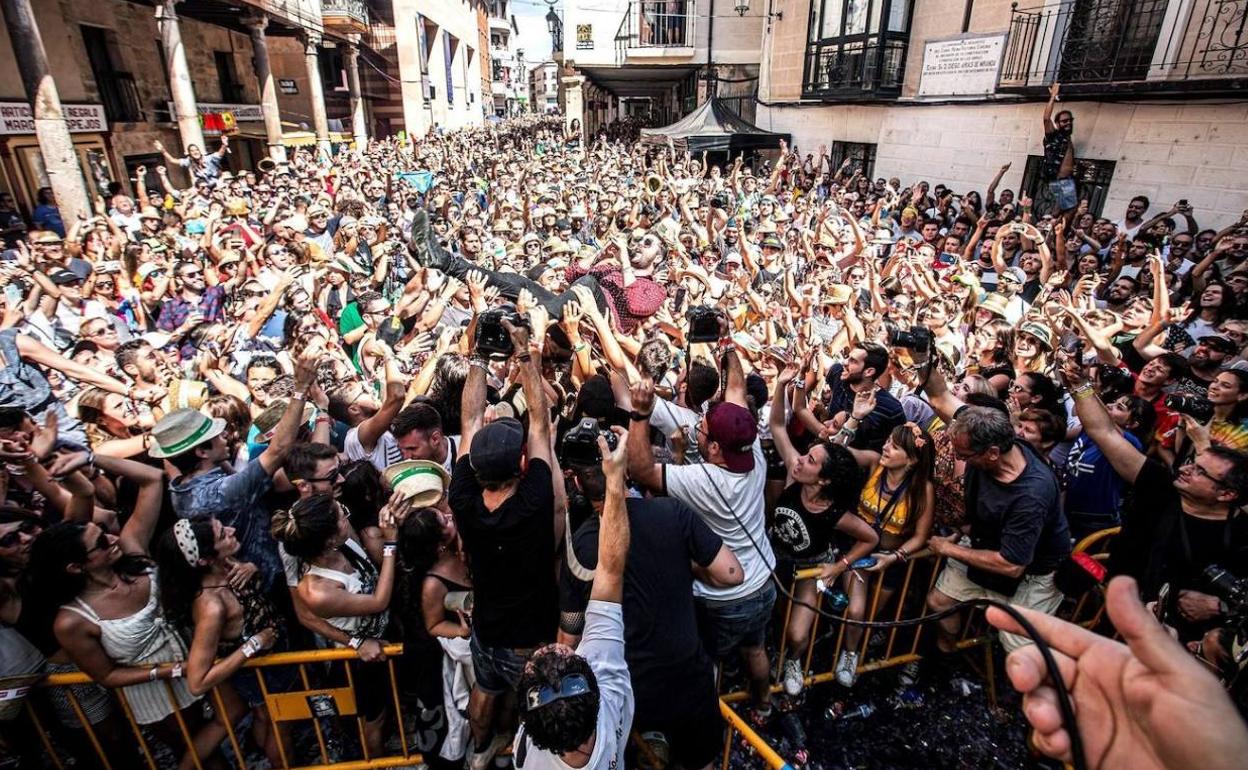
point(285, 708)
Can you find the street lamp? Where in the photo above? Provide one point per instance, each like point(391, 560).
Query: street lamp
point(741, 7)
point(554, 26)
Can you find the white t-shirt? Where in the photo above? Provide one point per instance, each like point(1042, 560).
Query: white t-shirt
point(602, 646)
point(668, 417)
point(384, 453)
point(706, 488)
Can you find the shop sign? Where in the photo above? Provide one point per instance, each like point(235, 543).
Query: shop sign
point(17, 118)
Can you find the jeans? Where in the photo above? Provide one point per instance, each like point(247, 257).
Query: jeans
point(1064, 193)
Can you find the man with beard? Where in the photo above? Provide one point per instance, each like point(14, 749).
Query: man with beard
point(193, 297)
point(1058, 167)
point(860, 372)
point(1120, 293)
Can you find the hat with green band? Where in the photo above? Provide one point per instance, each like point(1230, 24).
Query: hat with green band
point(424, 481)
point(181, 431)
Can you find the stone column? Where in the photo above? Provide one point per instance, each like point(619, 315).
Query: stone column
point(316, 91)
point(359, 123)
point(574, 102)
point(55, 144)
point(184, 107)
point(268, 87)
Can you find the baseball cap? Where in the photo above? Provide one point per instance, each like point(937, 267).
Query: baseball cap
point(496, 450)
point(1016, 273)
point(734, 429)
point(1220, 343)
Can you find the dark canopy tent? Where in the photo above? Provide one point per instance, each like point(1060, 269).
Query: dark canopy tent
point(713, 127)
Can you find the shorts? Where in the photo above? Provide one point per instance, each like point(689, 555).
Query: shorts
point(1037, 592)
point(277, 679)
point(497, 669)
point(1064, 193)
point(736, 624)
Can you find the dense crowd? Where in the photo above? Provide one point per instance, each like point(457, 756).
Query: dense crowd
point(552, 412)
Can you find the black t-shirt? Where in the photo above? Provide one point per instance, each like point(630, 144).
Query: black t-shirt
point(510, 553)
point(661, 642)
point(799, 533)
point(1151, 546)
point(873, 431)
point(1022, 520)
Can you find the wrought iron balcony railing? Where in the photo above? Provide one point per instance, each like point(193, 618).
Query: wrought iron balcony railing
point(656, 24)
point(1098, 45)
point(349, 15)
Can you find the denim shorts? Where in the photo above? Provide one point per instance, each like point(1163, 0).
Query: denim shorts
point(1064, 193)
point(497, 669)
point(740, 623)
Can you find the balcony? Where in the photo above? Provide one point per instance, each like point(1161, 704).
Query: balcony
point(345, 16)
point(656, 29)
point(1101, 47)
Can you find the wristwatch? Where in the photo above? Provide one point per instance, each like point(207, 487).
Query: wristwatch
point(636, 416)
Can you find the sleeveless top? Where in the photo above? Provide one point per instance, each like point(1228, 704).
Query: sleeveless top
point(361, 580)
point(258, 614)
point(142, 639)
point(451, 587)
point(800, 533)
point(886, 510)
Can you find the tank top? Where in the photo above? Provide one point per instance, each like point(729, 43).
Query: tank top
point(802, 534)
point(361, 580)
point(886, 510)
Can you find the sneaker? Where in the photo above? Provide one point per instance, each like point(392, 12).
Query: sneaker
point(847, 668)
point(793, 678)
point(481, 760)
point(758, 718)
point(909, 674)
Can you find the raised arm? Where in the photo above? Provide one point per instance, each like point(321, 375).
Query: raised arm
point(1126, 460)
point(613, 532)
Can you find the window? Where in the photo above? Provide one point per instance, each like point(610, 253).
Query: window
point(861, 157)
point(1092, 178)
point(333, 70)
point(227, 77)
point(856, 47)
point(118, 92)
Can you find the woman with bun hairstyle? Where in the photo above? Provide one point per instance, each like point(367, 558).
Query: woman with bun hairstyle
point(344, 587)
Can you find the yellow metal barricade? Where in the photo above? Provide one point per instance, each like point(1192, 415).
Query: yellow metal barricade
point(283, 708)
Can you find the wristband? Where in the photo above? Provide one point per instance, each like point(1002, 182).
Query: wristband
point(1083, 391)
point(524, 357)
point(636, 416)
point(155, 672)
point(299, 395)
point(845, 561)
point(580, 347)
point(799, 384)
point(251, 647)
point(355, 642)
point(479, 363)
point(176, 672)
point(389, 549)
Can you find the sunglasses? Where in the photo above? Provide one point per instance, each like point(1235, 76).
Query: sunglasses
point(14, 537)
point(569, 686)
point(255, 293)
point(101, 544)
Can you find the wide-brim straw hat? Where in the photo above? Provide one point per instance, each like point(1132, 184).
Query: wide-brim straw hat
point(422, 481)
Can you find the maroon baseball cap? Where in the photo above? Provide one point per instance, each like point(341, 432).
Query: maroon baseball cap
point(734, 429)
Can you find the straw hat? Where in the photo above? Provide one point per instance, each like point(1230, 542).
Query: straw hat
point(838, 294)
point(422, 481)
point(994, 303)
point(186, 394)
point(45, 236)
point(150, 212)
point(181, 431)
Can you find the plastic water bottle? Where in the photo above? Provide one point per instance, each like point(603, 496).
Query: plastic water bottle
point(965, 687)
point(859, 712)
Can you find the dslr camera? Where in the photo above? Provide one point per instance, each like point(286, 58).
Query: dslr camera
point(916, 338)
point(1230, 589)
point(719, 200)
point(491, 338)
point(580, 444)
point(705, 323)
point(1198, 408)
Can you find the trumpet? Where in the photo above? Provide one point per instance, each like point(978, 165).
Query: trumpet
point(654, 184)
point(266, 165)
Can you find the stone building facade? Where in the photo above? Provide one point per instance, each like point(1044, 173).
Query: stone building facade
point(1147, 94)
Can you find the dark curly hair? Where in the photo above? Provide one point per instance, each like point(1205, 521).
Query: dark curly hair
point(844, 477)
point(566, 724)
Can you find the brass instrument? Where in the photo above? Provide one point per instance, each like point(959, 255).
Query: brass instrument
point(654, 184)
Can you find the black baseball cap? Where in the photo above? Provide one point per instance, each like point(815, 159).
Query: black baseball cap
point(496, 450)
